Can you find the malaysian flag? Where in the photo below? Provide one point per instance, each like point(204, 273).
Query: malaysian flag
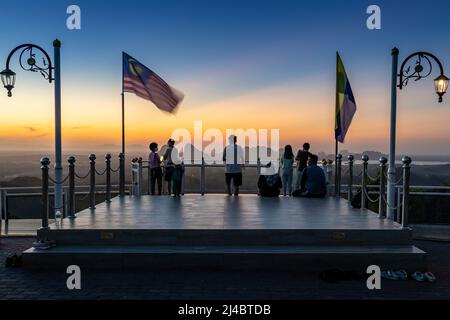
point(146, 84)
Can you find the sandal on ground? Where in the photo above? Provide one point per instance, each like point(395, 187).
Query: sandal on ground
point(389, 274)
point(418, 276)
point(429, 277)
point(401, 274)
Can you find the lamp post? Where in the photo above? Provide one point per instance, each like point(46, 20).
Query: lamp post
point(29, 61)
point(416, 66)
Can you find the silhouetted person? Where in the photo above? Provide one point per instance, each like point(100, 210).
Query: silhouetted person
point(169, 166)
point(233, 156)
point(269, 185)
point(154, 163)
point(302, 162)
point(287, 162)
point(175, 169)
point(177, 177)
point(313, 183)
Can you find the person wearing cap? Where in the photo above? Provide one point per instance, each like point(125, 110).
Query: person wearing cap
point(233, 156)
point(169, 166)
point(154, 163)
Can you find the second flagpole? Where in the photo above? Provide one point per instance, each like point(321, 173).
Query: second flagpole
point(122, 156)
point(123, 110)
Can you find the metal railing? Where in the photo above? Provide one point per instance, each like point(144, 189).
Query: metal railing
point(403, 190)
point(69, 188)
point(80, 193)
point(370, 192)
point(138, 166)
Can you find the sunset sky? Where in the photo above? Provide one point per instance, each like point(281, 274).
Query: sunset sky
point(241, 64)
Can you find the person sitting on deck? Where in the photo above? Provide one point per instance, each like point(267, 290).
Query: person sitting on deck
point(313, 183)
point(269, 185)
point(233, 156)
point(154, 163)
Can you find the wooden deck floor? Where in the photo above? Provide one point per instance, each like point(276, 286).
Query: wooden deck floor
point(218, 211)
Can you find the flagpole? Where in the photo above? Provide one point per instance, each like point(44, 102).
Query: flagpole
point(122, 155)
point(123, 112)
point(336, 182)
point(336, 146)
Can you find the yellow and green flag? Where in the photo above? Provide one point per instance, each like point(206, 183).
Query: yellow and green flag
point(345, 101)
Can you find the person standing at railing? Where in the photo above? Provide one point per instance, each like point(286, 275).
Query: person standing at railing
point(302, 162)
point(287, 162)
point(233, 156)
point(154, 163)
point(177, 176)
point(169, 166)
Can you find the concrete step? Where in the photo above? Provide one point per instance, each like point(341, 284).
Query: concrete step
point(299, 258)
point(431, 232)
point(245, 237)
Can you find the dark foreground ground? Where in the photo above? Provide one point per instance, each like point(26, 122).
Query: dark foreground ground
point(18, 283)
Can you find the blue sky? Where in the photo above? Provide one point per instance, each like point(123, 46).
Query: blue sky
point(240, 47)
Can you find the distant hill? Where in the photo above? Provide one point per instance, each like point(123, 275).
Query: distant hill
point(22, 182)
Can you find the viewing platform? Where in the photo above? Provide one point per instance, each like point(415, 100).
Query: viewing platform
point(219, 231)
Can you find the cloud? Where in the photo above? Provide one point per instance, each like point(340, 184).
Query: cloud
point(31, 129)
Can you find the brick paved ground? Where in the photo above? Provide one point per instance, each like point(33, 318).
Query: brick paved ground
point(18, 283)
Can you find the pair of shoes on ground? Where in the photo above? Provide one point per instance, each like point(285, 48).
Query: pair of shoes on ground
point(423, 276)
point(394, 275)
point(403, 275)
point(43, 244)
point(13, 261)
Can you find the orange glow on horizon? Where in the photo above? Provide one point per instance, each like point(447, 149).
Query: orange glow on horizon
point(300, 111)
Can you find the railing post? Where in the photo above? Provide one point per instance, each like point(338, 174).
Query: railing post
point(183, 177)
point(92, 158)
point(71, 213)
point(140, 174)
point(258, 173)
point(406, 177)
point(45, 162)
point(108, 176)
point(381, 201)
point(66, 202)
point(365, 160)
point(163, 179)
point(5, 210)
point(121, 174)
point(350, 178)
point(149, 179)
point(337, 187)
point(202, 177)
point(398, 212)
point(1, 212)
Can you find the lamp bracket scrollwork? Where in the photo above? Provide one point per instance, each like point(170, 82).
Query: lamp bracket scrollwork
point(33, 58)
point(417, 66)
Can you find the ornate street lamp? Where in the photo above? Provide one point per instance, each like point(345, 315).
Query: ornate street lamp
point(35, 59)
point(416, 66)
point(441, 86)
point(8, 80)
